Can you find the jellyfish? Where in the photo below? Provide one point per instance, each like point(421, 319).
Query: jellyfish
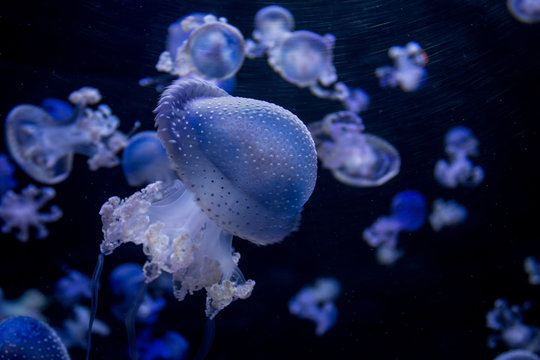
point(74, 330)
point(31, 303)
point(532, 268)
point(44, 147)
point(408, 213)
point(71, 288)
point(205, 46)
point(526, 11)
point(446, 213)
point(408, 71)
point(354, 157)
point(21, 211)
point(23, 337)
point(508, 322)
point(517, 355)
point(459, 170)
point(171, 346)
point(272, 23)
point(7, 181)
point(144, 160)
point(316, 303)
point(58, 109)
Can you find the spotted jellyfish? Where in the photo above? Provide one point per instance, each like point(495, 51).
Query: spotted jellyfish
point(44, 147)
point(408, 213)
point(526, 11)
point(408, 71)
point(354, 157)
point(459, 170)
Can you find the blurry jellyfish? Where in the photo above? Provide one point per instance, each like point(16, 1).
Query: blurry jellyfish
point(71, 288)
point(125, 281)
point(460, 144)
point(44, 147)
point(22, 211)
point(532, 267)
point(31, 303)
point(144, 160)
point(6, 174)
point(171, 346)
point(316, 303)
point(354, 157)
point(526, 11)
point(59, 110)
point(408, 213)
point(513, 332)
point(23, 337)
point(74, 330)
point(517, 355)
point(408, 71)
point(272, 23)
point(446, 213)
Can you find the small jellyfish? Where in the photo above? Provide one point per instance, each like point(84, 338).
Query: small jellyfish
point(517, 355)
point(446, 213)
point(71, 288)
point(508, 322)
point(44, 147)
point(408, 71)
point(144, 160)
point(171, 346)
point(408, 213)
point(272, 23)
point(31, 303)
point(459, 170)
point(7, 181)
point(23, 337)
point(526, 11)
point(22, 211)
point(354, 157)
point(532, 267)
point(316, 303)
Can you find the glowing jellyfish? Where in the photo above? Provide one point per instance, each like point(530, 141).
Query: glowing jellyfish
point(526, 11)
point(408, 71)
point(532, 268)
point(22, 211)
point(517, 355)
point(272, 23)
point(459, 170)
point(71, 288)
point(211, 49)
point(354, 157)
point(316, 303)
point(44, 147)
point(23, 337)
point(7, 181)
point(144, 160)
point(74, 330)
point(446, 213)
point(408, 213)
point(171, 346)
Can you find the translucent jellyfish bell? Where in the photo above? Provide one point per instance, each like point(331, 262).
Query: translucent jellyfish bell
point(23, 337)
point(526, 11)
point(272, 23)
point(354, 157)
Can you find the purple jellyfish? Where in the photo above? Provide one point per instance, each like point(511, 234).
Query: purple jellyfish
point(526, 11)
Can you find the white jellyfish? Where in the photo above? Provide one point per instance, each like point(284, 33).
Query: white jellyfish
point(526, 11)
point(446, 213)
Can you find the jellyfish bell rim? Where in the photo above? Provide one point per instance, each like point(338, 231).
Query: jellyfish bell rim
point(13, 121)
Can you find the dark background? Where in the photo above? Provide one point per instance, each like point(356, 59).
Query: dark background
point(484, 72)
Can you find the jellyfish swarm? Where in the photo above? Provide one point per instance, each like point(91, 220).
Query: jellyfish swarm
point(247, 168)
point(408, 213)
point(44, 147)
point(512, 331)
point(301, 57)
point(459, 170)
point(354, 157)
point(408, 71)
point(144, 160)
point(526, 11)
point(22, 211)
point(23, 337)
point(517, 355)
point(446, 213)
point(316, 303)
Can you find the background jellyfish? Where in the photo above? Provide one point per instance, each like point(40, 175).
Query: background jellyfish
point(460, 143)
point(526, 11)
point(22, 211)
point(44, 147)
point(31, 303)
point(408, 213)
point(171, 346)
point(446, 213)
point(532, 268)
point(316, 303)
point(354, 157)
point(272, 23)
point(72, 288)
point(74, 329)
point(408, 71)
point(144, 160)
point(23, 337)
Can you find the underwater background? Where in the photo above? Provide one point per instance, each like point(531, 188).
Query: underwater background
point(484, 73)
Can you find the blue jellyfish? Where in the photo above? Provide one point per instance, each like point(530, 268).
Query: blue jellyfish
point(44, 147)
point(408, 71)
point(71, 288)
point(7, 181)
point(316, 303)
point(171, 346)
point(354, 157)
point(459, 170)
point(446, 213)
point(58, 109)
point(517, 355)
point(21, 211)
point(526, 11)
point(144, 160)
point(408, 213)
point(23, 337)
point(532, 268)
